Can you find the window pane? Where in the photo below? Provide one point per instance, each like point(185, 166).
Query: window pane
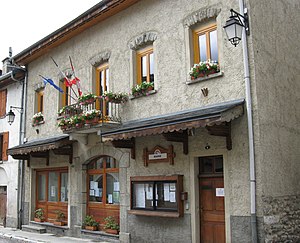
point(98, 164)
point(166, 196)
point(142, 195)
point(219, 165)
point(41, 187)
point(64, 187)
point(102, 88)
point(95, 188)
point(202, 47)
point(151, 67)
point(111, 163)
point(144, 68)
point(206, 165)
point(52, 188)
point(112, 188)
point(213, 46)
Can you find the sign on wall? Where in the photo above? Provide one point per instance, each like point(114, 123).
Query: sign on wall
point(159, 155)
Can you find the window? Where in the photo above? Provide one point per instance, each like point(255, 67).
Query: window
point(3, 103)
point(205, 44)
point(102, 85)
point(69, 96)
point(145, 65)
point(211, 165)
point(52, 192)
point(157, 196)
point(103, 181)
point(40, 100)
point(3, 146)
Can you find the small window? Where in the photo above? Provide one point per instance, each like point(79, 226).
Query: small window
point(205, 44)
point(157, 196)
point(145, 65)
point(102, 85)
point(4, 146)
point(211, 165)
point(40, 101)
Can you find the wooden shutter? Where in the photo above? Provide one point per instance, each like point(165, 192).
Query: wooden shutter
point(3, 103)
point(5, 146)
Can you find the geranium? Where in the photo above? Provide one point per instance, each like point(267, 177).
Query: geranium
point(91, 114)
point(37, 118)
point(204, 68)
point(87, 97)
point(115, 97)
point(142, 89)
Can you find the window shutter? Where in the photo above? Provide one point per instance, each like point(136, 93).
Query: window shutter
point(2, 103)
point(5, 146)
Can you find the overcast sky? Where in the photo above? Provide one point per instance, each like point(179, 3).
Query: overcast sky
point(23, 23)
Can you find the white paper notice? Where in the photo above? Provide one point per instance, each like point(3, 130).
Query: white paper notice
point(92, 192)
point(219, 192)
point(166, 192)
point(110, 198)
point(91, 185)
point(116, 186)
point(172, 187)
point(97, 192)
point(172, 197)
point(53, 191)
point(139, 193)
point(95, 184)
point(149, 192)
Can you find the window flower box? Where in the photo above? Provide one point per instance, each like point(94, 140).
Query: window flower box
point(203, 69)
point(37, 119)
point(142, 89)
point(117, 98)
point(86, 99)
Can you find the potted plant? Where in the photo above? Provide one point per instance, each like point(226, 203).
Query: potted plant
point(90, 223)
point(86, 99)
point(39, 215)
point(77, 121)
point(37, 118)
point(204, 69)
point(111, 226)
point(64, 123)
point(112, 97)
point(60, 217)
point(142, 89)
point(91, 116)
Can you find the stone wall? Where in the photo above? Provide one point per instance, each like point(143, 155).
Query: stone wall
point(282, 219)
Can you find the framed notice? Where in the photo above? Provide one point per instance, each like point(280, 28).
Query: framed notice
point(159, 155)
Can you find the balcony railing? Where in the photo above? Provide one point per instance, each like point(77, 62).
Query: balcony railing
point(89, 114)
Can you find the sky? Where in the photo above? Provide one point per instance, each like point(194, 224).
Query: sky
point(23, 23)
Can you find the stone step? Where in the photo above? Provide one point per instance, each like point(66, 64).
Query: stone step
point(34, 229)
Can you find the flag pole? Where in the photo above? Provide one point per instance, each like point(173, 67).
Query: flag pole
point(64, 75)
point(75, 77)
point(55, 87)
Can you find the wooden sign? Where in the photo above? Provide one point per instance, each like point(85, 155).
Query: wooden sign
point(159, 155)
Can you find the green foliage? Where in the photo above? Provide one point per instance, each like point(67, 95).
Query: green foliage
point(60, 216)
point(115, 97)
point(142, 89)
point(110, 223)
point(39, 213)
point(90, 221)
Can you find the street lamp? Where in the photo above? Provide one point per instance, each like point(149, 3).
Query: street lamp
point(11, 115)
point(234, 26)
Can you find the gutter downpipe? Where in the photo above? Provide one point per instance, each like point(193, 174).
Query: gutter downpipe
point(21, 162)
point(250, 132)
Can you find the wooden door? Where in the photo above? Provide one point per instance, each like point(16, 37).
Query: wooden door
point(3, 202)
point(212, 207)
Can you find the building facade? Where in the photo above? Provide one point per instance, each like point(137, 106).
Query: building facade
point(171, 164)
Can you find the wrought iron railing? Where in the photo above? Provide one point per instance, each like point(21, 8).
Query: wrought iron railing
point(89, 113)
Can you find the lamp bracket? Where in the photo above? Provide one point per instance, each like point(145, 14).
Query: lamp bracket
point(19, 109)
point(243, 19)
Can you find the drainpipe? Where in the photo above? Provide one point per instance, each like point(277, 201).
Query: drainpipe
point(250, 132)
point(21, 162)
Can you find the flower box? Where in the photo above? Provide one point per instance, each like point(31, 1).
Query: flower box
point(58, 223)
point(111, 231)
point(38, 220)
point(92, 228)
point(204, 69)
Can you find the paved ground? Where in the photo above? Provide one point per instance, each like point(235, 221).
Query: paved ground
point(9, 235)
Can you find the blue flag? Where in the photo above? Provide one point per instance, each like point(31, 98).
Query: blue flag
point(50, 81)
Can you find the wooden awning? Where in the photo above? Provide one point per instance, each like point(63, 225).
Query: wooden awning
point(60, 145)
point(212, 115)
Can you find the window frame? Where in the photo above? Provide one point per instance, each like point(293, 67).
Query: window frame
point(177, 179)
point(40, 101)
point(200, 31)
point(4, 141)
point(103, 106)
point(139, 55)
point(3, 101)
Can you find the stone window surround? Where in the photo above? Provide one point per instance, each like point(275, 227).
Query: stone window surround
point(200, 16)
point(136, 43)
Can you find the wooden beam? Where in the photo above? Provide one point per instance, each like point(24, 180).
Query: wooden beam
point(222, 130)
point(128, 143)
point(181, 137)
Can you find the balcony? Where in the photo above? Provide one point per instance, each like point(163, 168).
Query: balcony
point(89, 116)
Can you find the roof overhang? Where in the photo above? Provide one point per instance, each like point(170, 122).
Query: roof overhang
point(60, 145)
point(208, 116)
point(96, 14)
point(11, 77)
